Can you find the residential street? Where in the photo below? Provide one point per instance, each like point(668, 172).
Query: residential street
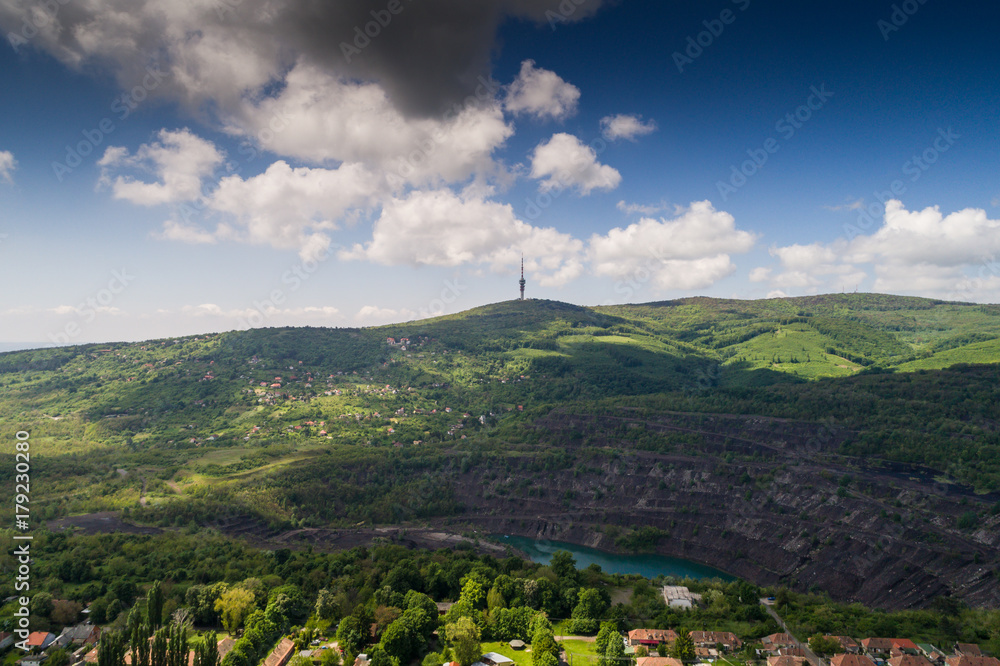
point(810, 655)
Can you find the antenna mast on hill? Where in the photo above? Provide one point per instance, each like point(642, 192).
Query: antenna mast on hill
point(521, 281)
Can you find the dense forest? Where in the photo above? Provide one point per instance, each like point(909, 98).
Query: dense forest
point(185, 590)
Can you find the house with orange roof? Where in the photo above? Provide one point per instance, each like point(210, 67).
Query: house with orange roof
point(281, 653)
point(658, 661)
point(712, 639)
point(775, 642)
point(651, 637)
point(876, 646)
point(785, 660)
point(847, 644)
point(966, 660)
point(224, 645)
point(40, 639)
point(968, 649)
point(851, 659)
point(910, 660)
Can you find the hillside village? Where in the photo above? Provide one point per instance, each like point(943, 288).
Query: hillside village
point(80, 645)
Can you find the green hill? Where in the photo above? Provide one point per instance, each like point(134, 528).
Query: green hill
point(159, 395)
point(332, 427)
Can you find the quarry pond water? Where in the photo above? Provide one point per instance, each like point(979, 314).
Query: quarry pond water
point(650, 566)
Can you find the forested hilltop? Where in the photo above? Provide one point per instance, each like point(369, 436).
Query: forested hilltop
point(843, 443)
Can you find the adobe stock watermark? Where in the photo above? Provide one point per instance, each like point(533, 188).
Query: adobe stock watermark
point(43, 14)
point(825, 437)
point(404, 167)
point(21, 620)
point(566, 9)
point(450, 293)
point(786, 127)
point(545, 198)
point(901, 13)
point(970, 287)
point(292, 279)
point(223, 7)
point(122, 107)
point(696, 44)
point(915, 167)
point(87, 311)
point(187, 211)
point(381, 18)
point(705, 377)
point(276, 124)
point(638, 277)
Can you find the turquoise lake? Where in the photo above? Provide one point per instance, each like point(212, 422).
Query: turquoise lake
point(644, 565)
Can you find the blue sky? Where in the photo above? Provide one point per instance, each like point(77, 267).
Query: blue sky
point(248, 167)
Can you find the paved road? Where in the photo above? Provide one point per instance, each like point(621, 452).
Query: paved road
point(810, 655)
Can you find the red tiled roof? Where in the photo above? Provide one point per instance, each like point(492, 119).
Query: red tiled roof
point(904, 644)
point(653, 635)
point(658, 661)
point(851, 660)
point(727, 638)
point(792, 652)
point(968, 649)
point(784, 660)
point(910, 660)
point(966, 660)
point(281, 654)
point(778, 639)
point(224, 646)
point(36, 638)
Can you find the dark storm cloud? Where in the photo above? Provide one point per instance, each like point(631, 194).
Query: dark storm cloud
point(427, 54)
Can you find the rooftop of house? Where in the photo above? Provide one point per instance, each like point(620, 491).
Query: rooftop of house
point(778, 639)
point(968, 649)
point(909, 660)
point(848, 659)
point(658, 661)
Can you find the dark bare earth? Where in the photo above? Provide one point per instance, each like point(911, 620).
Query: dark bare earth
point(759, 498)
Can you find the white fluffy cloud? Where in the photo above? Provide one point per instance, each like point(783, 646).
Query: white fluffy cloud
point(812, 267)
point(319, 118)
point(644, 209)
point(214, 315)
point(690, 251)
point(293, 208)
point(564, 161)
point(179, 160)
point(183, 232)
point(624, 126)
point(928, 237)
point(374, 130)
point(283, 207)
point(541, 93)
point(441, 228)
point(277, 73)
point(372, 315)
point(7, 166)
point(913, 252)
